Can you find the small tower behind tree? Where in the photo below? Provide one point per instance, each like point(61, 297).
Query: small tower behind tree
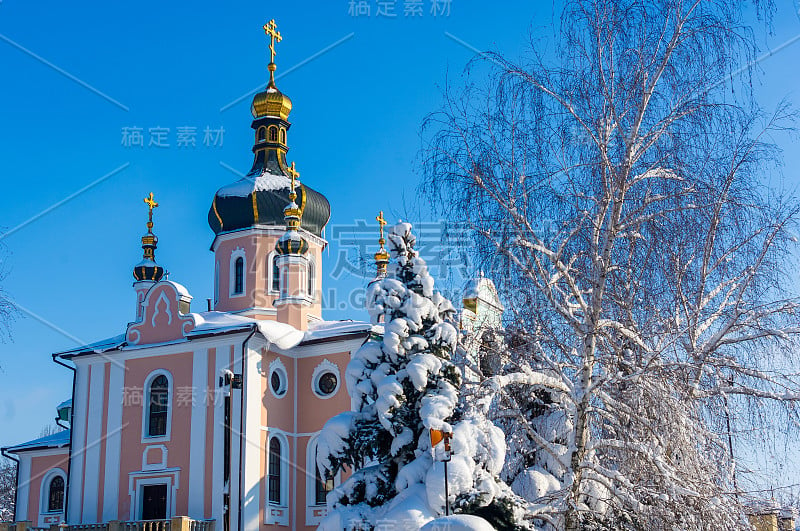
point(147, 272)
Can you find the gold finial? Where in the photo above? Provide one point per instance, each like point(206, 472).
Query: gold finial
point(381, 222)
point(382, 256)
point(293, 174)
point(151, 204)
point(271, 29)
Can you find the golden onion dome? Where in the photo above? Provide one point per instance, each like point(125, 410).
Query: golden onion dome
point(271, 102)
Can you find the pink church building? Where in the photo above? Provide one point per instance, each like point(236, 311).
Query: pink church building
point(208, 414)
point(207, 420)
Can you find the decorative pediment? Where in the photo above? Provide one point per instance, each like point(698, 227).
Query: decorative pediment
point(165, 315)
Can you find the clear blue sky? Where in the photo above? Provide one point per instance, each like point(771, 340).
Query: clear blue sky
point(355, 136)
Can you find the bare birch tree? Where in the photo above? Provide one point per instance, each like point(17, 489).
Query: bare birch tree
point(616, 184)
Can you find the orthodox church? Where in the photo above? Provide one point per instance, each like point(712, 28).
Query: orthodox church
point(208, 420)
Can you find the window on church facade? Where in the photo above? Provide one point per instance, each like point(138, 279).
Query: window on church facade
point(276, 274)
point(274, 481)
point(55, 494)
point(273, 134)
point(157, 407)
point(323, 486)
point(262, 134)
point(310, 278)
point(238, 276)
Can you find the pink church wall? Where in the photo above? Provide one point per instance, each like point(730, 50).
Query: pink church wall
point(178, 445)
point(40, 466)
point(314, 411)
point(256, 248)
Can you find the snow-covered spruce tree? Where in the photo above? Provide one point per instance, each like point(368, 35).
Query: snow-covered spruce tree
point(401, 386)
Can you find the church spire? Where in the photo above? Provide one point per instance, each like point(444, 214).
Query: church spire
point(270, 110)
point(147, 269)
point(292, 242)
point(271, 29)
point(382, 256)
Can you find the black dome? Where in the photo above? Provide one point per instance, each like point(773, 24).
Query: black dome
point(260, 200)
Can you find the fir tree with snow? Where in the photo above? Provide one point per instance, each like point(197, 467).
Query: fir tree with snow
point(402, 386)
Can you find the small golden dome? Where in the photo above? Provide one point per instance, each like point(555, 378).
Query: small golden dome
point(271, 102)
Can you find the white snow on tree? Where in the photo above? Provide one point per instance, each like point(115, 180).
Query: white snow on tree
point(401, 387)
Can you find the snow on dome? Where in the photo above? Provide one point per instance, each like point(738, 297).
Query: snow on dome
point(247, 185)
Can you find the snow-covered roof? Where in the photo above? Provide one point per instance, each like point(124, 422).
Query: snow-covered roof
point(56, 440)
point(283, 336)
point(65, 403)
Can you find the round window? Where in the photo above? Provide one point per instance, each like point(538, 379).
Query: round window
point(277, 382)
point(327, 383)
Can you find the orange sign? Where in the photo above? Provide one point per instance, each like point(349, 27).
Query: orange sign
point(438, 436)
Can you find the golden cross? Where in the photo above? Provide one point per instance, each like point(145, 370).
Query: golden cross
point(294, 174)
point(381, 222)
point(151, 204)
point(271, 29)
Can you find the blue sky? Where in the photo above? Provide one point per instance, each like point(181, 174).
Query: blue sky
point(74, 75)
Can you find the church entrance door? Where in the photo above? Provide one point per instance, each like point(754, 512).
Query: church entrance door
point(154, 502)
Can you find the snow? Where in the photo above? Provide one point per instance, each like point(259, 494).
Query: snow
point(400, 387)
point(55, 440)
point(534, 483)
point(333, 440)
point(458, 522)
point(247, 185)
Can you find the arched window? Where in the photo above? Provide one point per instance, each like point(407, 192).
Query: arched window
point(311, 278)
point(273, 134)
point(322, 486)
point(276, 274)
point(283, 135)
point(274, 482)
point(55, 494)
point(262, 134)
point(157, 406)
point(238, 276)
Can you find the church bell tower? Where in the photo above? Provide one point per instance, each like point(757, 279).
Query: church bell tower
point(254, 272)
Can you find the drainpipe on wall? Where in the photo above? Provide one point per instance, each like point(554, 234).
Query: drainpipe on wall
point(16, 478)
point(71, 435)
point(241, 425)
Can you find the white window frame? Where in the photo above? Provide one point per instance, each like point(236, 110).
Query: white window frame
point(311, 278)
point(237, 253)
point(273, 433)
point(44, 491)
point(146, 406)
point(277, 366)
point(271, 258)
point(325, 366)
point(311, 483)
point(216, 283)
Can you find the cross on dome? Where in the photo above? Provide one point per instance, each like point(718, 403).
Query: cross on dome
point(382, 256)
point(271, 29)
point(294, 174)
point(151, 204)
point(381, 221)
